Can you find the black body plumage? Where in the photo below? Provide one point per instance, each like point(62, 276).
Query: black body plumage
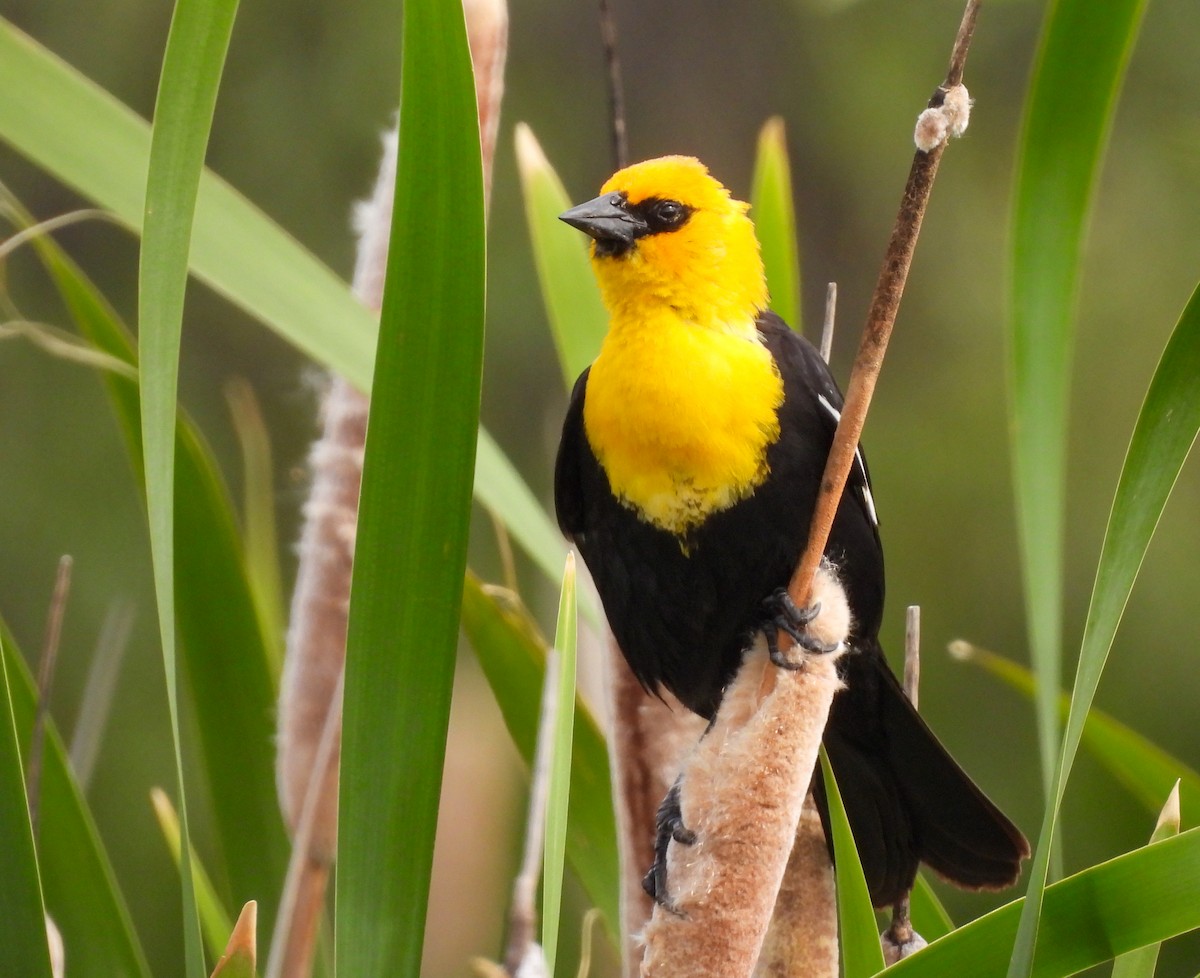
point(684, 610)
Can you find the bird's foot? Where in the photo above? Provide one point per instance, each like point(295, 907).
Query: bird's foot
point(668, 826)
point(784, 616)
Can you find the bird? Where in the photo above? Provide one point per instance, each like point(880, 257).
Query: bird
point(689, 465)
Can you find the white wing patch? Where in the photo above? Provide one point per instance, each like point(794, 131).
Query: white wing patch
point(864, 487)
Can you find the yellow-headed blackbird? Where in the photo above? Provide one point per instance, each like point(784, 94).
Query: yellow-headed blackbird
point(689, 466)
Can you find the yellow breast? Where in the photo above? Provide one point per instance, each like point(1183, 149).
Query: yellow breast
point(681, 416)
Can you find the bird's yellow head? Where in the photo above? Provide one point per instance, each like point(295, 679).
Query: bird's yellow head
point(667, 236)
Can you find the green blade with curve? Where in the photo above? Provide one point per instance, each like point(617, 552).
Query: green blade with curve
point(858, 932)
point(81, 889)
point(577, 317)
point(562, 735)
point(773, 209)
point(23, 945)
point(1139, 898)
point(1080, 63)
point(187, 93)
point(1163, 434)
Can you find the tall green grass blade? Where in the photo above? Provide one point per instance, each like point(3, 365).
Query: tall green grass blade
point(1142, 962)
point(513, 657)
point(23, 947)
point(929, 917)
point(1144, 768)
point(773, 210)
point(1140, 898)
point(258, 516)
point(214, 919)
point(858, 931)
point(187, 94)
point(558, 797)
point(410, 556)
point(1080, 64)
point(81, 890)
point(1166, 427)
point(90, 141)
point(572, 298)
point(223, 646)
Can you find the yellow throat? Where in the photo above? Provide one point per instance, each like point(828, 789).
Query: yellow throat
point(682, 402)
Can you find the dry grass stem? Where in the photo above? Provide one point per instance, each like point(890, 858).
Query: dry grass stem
point(522, 916)
point(45, 678)
point(616, 90)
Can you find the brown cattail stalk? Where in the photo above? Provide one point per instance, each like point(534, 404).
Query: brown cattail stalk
point(741, 794)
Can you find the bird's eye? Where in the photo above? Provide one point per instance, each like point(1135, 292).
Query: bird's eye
point(669, 212)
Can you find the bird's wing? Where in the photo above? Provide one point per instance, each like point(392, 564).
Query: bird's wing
point(573, 450)
point(806, 372)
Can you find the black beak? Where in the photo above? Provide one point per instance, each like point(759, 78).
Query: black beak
point(607, 220)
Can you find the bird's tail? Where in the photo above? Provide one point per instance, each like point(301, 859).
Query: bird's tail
point(906, 798)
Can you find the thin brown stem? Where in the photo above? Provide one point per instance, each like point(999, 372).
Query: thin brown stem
point(616, 88)
point(962, 44)
point(880, 318)
point(46, 664)
point(522, 915)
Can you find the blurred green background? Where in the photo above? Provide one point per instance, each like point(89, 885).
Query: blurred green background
point(308, 88)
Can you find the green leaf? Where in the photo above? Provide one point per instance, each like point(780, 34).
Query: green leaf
point(929, 917)
point(773, 210)
point(1142, 962)
point(262, 544)
point(1140, 765)
point(23, 947)
point(1166, 427)
point(80, 888)
point(214, 920)
point(1142, 897)
point(1080, 64)
point(578, 321)
point(558, 797)
point(410, 554)
point(187, 95)
point(862, 954)
point(513, 657)
point(79, 133)
point(223, 647)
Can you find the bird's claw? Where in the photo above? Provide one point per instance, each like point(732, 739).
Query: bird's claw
point(783, 615)
point(668, 827)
